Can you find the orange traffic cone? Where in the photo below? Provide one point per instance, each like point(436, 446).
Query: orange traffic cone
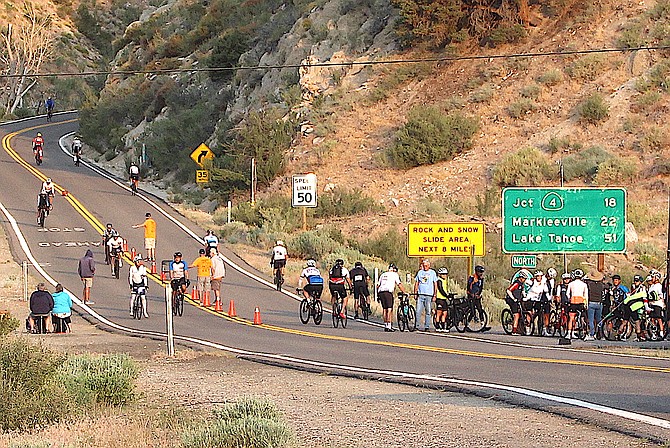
point(195, 294)
point(153, 267)
point(257, 317)
point(64, 193)
point(231, 309)
point(205, 299)
point(217, 306)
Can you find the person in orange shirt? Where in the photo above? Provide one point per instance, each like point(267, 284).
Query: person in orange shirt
point(149, 236)
point(204, 265)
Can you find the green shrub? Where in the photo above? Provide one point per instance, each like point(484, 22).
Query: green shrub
point(647, 99)
point(585, 163)
point(631, 36)
point(433, 22)
point(226, 53)
point(557, 144)
point(643, 217)
point(488, 202)
point(391, 78)
point(106, 379)
point(550, 77)
point(527, 167)
point(249, 423)
point(29, 389)
point(521, 108)
point(481, 95)
point(8, 324)
point(531, 91)
point(616, 171)
point(649, 254)
point(312, 244)
point(587, 68)
point(655, 140)
point(430, 137)
point(390, 246)
point(593, 110)
point(507, 35)
point(659, 75)
point(344, 202)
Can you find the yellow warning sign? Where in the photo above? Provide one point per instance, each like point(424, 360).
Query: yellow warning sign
point(445, 239)
point(201, 176)
point(202, 153)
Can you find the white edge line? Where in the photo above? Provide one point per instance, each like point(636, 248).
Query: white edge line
point(654, 421)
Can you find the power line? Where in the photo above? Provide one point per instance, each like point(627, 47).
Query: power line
point(337, 64)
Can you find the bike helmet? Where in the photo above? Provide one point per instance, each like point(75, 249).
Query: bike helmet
point(578, 273)
point(551, 273)
point(339, 262)
point(566, 276)
point(393, 267)
point(201, 251)
point(637, 278)
point(39, 134)
point(48, 180)
point(655, 274)
point(648, 279)
point(280, 243)
point(311, 263)
point(538, 274)
point(523, 274)
point(479, 269)
point(109, 224)
point(358, 264)
point(177, 254)
point(443, 271)
point(138, 257)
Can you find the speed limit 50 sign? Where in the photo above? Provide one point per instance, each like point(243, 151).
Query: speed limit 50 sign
point(304, 190)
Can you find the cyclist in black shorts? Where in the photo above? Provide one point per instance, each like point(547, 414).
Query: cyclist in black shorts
point(312, 276)
point(359, 278)
point(338, 280)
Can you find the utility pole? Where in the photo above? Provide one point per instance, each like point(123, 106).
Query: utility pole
point(562, 176)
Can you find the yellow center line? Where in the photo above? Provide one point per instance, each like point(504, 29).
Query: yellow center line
point(99, 227)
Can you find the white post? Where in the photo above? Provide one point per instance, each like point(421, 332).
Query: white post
point(230, 204)
point(24, 275)
point(169, 323)
point(375, 285)
point(253, 181)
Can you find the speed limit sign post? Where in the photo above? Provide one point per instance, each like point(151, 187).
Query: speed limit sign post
point(304, 194)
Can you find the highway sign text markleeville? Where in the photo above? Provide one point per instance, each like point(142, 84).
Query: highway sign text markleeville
point(445, 239)
point(545, 220)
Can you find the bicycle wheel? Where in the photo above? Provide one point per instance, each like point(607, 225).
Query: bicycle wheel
point(365, 308)
point(475, 322)
point(460, 320)
point(180, 304)
point(174, 305)
point(507, 320)
point(137, 307)
point(41, 218)
point(528, 323)
point(563, 325)
point(117, 268)
point(580, 323)
point(553, 323)
point(318, 312)
point(653, 330)
point(336, 314)
point(343, 320)
point(610, 328)
point(304, 311)
point(411, 318)
point(402, 320)
point(278, 279)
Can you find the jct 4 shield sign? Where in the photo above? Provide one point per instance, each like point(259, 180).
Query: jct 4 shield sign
point(544, 220)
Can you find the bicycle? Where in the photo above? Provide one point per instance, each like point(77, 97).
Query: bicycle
point(457, 307)
point(278, 278)
point(139, 294)
point(475, 319)
point(77, 157)
point(526, 323)
point(614, 327)
point(310, 307)
point(50, 114)
point(337, 310)
point(39, 154)
point(406, 313)
point(580, 329)
point(364, 306)
point(558, 320)
point(178, 297)
point(41, 216)
point(116, 262)
point(133, 186)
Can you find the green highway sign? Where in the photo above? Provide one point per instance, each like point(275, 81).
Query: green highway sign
point(559, 220)
point(524, 261)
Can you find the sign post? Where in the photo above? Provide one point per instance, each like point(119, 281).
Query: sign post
point(304, 194)
point(560, 220)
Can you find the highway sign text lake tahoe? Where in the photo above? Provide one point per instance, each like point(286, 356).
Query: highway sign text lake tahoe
point(541, 220)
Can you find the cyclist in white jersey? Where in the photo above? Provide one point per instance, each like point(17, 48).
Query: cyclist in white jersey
point(279, 257)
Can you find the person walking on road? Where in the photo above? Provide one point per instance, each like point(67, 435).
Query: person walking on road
point(86, 272)
point(425, 287)
point(218, 272)
point(385, 288)
point(149, 236)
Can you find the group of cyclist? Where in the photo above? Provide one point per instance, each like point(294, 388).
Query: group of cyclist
point(538, 293)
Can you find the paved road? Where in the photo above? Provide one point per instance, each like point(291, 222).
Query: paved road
point(638, 385)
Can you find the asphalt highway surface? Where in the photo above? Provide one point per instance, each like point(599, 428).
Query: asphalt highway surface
point(636, 387)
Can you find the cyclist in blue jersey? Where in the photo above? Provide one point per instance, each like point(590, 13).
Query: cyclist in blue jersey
point(312, 276)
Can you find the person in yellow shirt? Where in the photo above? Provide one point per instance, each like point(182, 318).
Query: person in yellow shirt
point(204, 265)
point(149, 236)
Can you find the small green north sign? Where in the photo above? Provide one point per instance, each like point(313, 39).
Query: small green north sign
point(524, 261)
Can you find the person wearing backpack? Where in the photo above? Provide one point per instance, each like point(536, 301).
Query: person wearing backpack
point(338, 280)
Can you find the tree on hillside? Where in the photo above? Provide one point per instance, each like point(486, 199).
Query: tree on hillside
point(24, 48)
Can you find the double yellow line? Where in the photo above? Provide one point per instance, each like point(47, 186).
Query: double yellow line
point(100, 229)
